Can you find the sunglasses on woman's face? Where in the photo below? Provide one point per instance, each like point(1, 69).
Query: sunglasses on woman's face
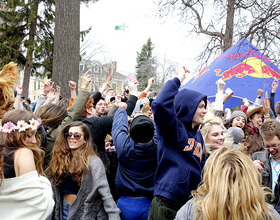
point(77, 136)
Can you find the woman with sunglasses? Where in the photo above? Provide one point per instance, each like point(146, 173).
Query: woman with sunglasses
point(55, 117)
point(24, 191)
point(80, 186)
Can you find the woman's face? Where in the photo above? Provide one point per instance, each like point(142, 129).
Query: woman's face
point(238, 121)
point(215, 137)
point(75, 138)
point(30, 137)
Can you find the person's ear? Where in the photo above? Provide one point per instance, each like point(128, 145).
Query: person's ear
point(10, 136)
point(88, 111)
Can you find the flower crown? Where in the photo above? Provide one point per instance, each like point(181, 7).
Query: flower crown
point(9, 127)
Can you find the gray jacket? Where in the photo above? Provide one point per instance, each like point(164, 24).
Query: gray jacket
point(263, 156)
point(186, 212)
point(94, 194)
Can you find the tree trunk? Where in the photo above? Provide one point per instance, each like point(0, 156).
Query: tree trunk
point(30, 49)
point(227, 40)
point(66, 44)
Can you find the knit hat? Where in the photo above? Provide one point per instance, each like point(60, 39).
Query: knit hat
point(142, 129)
point(234, 115)
point(95, 101)
point(237, 134)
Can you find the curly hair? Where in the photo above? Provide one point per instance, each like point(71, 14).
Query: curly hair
point(62, 156)
point(230, 188)
point(8, 75)
point(16, 139)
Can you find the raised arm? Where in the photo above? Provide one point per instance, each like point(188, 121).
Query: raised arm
point(72, 86)
point(164, 109)
point(147, 89)
point(218, 104)
point(18, 97)
point(271, 97)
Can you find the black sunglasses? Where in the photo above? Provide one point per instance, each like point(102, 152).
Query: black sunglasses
point(77, 136)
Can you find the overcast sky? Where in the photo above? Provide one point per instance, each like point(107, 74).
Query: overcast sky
point(169, 37)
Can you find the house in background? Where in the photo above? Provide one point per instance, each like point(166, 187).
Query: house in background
point(36, 86)
point(98, 71)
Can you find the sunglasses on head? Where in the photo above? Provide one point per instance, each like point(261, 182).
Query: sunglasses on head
point(77, 136)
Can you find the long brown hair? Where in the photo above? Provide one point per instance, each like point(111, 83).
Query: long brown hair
point(62, 156)
point(17, 139)
point(51, 115)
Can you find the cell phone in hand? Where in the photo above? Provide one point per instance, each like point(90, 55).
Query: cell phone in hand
point(132, 78)
point(228, 91)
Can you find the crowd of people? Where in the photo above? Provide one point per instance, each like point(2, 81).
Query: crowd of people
point(135, 156)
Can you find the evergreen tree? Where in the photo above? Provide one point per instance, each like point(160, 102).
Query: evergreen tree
point(21, 31)
point(146, 64)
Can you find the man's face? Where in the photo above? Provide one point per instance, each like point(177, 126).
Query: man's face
point(199, 114)
point(273, 147)
point(100, 107)
point(256, 120)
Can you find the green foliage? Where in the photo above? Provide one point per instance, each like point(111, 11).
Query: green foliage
point(145, 67)
point(12, 31)
point(15, 26)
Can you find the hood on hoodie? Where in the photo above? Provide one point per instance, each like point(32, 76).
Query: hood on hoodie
point(186, 103)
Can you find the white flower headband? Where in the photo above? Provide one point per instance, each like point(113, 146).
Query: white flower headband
point(9, 127)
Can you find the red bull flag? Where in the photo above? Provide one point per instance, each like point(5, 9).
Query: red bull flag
point(243, 68)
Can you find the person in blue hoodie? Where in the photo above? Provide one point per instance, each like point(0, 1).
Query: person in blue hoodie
point(136, 148)
point(181, 157)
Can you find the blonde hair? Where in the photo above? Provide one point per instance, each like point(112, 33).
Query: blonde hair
point(211, 119)
point(231, 188)
point(8, 75)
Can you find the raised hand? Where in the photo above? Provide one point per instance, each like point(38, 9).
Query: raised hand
point(266, 106)
point(86, 81)
point(274, 86)
point(181, 72)
point(48, 86)
point(72, 85)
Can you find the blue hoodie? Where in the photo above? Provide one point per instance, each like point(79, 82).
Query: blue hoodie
point(180, 147)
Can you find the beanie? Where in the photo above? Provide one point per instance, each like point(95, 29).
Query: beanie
point(142, 129)
point(236, 114)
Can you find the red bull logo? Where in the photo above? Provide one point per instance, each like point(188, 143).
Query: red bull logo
point(252, 66)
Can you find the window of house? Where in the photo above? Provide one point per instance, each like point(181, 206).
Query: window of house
point(114, 86)
point(34, 84)
point(96, 69)
point(81, 67)
point(39, 84)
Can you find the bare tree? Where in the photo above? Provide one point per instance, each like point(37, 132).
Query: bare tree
point(224, 22)
point(90, 48)
point(165, 70)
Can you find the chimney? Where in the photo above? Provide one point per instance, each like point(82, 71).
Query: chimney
point(114, 63)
